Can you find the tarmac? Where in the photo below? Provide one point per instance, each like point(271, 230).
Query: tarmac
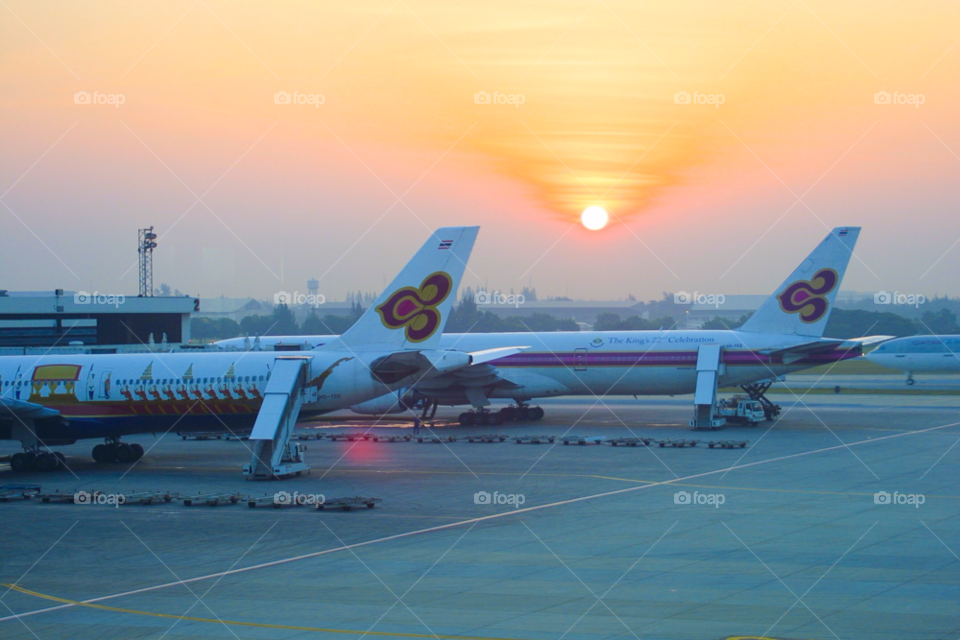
point(785, 538)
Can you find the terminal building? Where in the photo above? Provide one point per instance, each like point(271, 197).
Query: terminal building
point(91, 322)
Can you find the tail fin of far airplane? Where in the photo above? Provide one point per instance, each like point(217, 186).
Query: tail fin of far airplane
point(803, 303)
point(411, 313)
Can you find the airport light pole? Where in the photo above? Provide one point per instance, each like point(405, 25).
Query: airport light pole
point(146, 243)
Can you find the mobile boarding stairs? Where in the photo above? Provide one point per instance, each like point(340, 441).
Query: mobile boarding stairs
point(274, 456)
point(709, 369)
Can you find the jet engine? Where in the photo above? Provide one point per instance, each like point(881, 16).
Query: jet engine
point(390, 403)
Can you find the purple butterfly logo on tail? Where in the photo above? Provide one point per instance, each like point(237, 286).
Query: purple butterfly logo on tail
point(808, 297)
point(414, 309)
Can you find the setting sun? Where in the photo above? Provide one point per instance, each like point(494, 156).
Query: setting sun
point(594, 218)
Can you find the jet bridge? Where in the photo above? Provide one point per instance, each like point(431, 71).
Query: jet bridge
point(273, 454)
point(709, 370)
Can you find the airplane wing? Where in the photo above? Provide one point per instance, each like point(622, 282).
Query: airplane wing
point(868, 340)
point(12, 408)
point(458, 386)
point(801, 351)
point(431, 363)
point(487, 355)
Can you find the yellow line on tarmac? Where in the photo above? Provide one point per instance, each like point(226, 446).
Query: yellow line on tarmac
point(243, 624)
point(288, 627)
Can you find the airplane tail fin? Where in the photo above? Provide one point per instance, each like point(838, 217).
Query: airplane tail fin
point(803, 303)
point(412, 311)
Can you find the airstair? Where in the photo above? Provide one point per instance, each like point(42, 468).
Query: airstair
point(709, 370)
point(274, 456)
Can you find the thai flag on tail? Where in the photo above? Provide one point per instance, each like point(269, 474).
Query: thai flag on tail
point(446, 244)
point(842, 233)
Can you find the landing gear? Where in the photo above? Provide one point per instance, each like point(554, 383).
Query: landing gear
point(523, 412)
point(519, 412)
point(36, 459)
point(115, 451)
point(481, 417)
point(21, 462)
point(910, 381)
point(757, 391)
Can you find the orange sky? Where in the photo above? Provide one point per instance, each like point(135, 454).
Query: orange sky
point(297, 190)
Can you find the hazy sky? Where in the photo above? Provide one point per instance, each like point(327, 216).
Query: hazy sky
point(251, 196)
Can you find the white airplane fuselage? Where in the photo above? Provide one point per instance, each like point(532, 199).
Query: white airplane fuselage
point(613, 363)
point(919, 354)
point(112, 395)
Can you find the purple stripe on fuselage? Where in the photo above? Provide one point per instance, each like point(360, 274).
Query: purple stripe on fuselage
point(635, 358)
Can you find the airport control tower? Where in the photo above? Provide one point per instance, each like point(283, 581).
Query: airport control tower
point(313, 287)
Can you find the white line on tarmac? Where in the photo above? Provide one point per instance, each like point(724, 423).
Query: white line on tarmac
point(471, 521)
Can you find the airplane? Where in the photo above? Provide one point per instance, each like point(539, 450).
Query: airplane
point(54, 399)
point(785, 335)
point(919, 354)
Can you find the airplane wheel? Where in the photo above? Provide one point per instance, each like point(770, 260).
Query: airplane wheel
point(496, 417)
point(138, 451)
point(62, 458)
point(101, 454)
point(18, 462)
point(538, 413)
point(910, 381)
point(46, 462)
point(467, 419)
point(522, 414)
point(125, 453)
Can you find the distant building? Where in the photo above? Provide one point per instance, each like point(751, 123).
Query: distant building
point(583, 311)
point(68, 318)
point(733, 308)
point(301, 311)
point(233, 308)
point(239, 308)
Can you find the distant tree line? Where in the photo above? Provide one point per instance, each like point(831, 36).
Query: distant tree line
point(466, 317)
point(720, 324)
point(281, 322)
point(165, 291)
point(612, 322)
point(858, 323)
